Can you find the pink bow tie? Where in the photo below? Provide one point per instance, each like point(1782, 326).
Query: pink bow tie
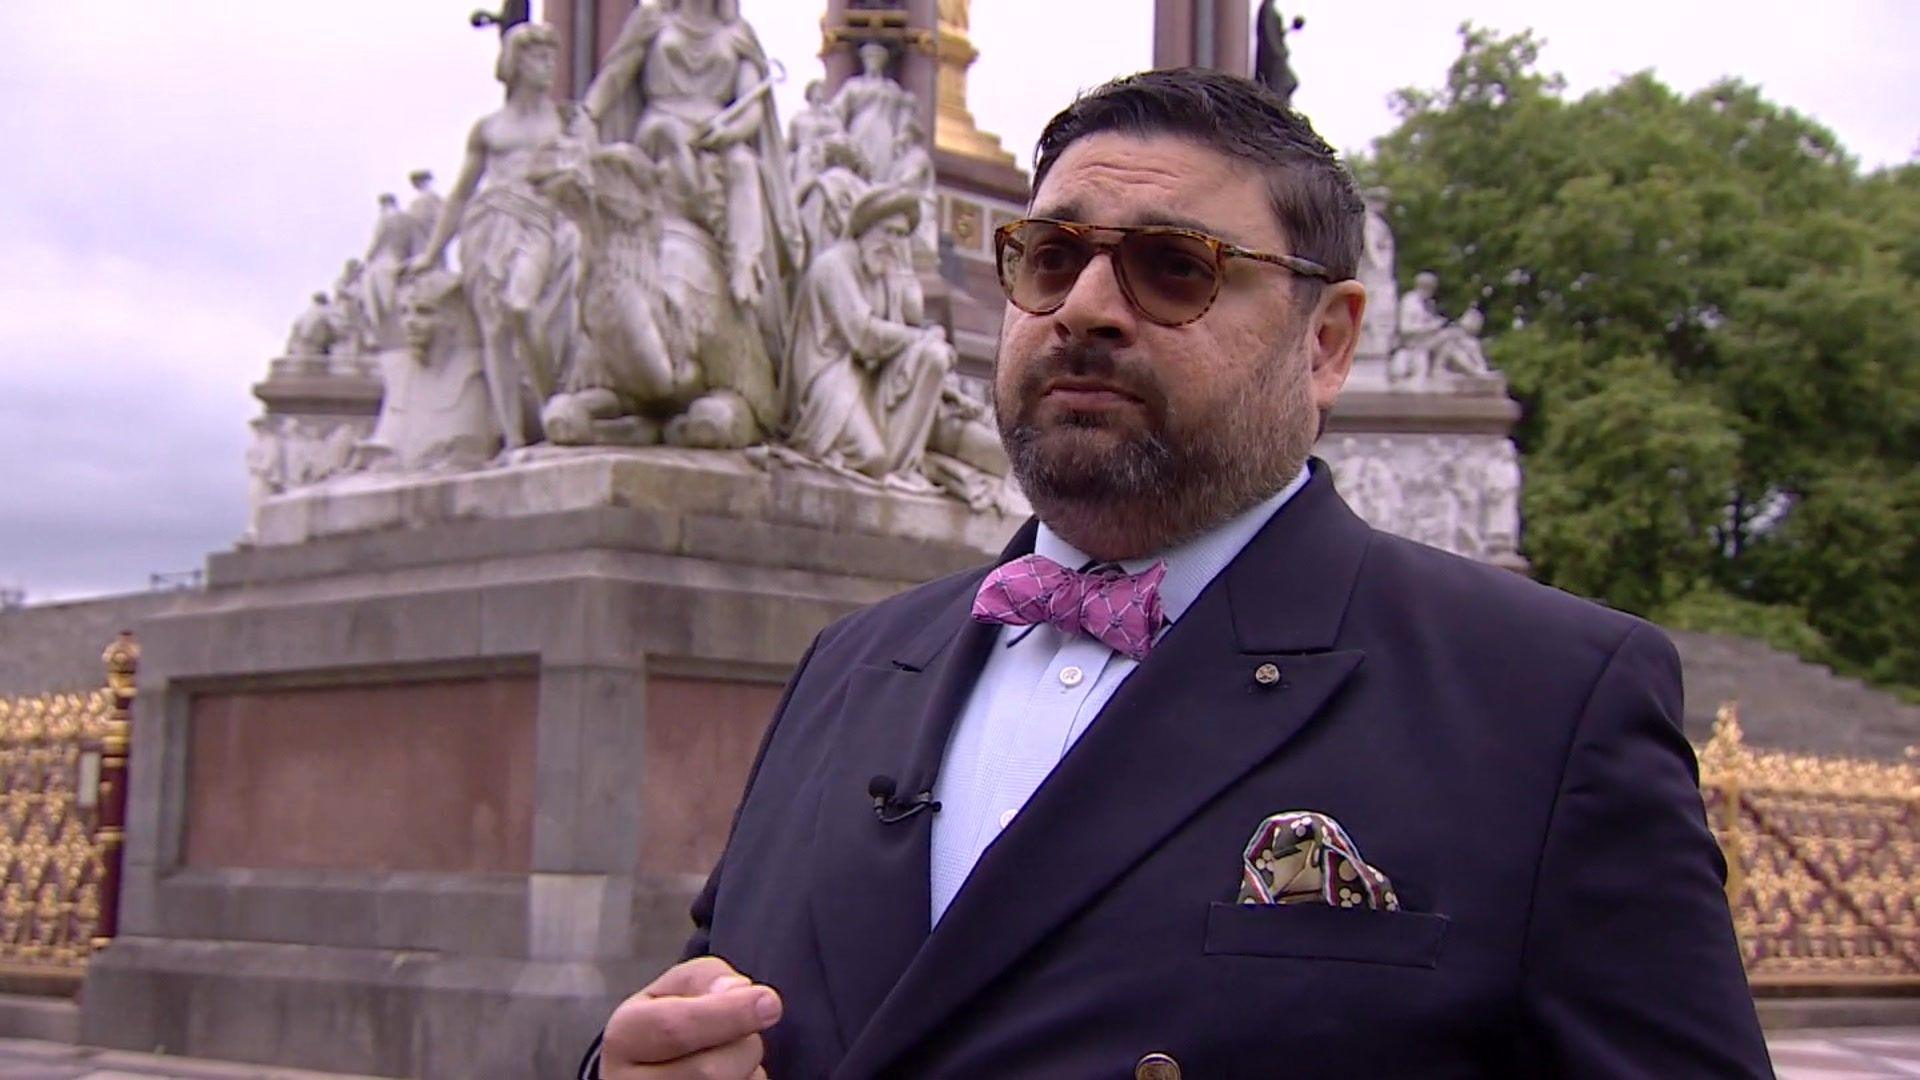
point(1119, 610)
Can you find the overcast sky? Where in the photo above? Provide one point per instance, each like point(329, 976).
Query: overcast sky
point(176, 181)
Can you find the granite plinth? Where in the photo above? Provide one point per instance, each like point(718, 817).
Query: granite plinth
point(660, 480)
point(593, 638)
point(1379, 409)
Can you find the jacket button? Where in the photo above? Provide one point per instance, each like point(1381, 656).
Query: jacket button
point(1266, 674)
point(1156, 1066)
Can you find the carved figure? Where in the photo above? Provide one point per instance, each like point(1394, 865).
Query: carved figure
point(1500, 502)
point(310, 449)
point(687, 82)
point(964, 453)
point(1429, 344)
point(266, 462)
point(425, 206)
point(913, 170)
point(435, 412)
point(516, 252)
point(810, 128)
point(312, 333)
point(1376, 273)
point(865, 377)
point(395, 242)
point(1457, 351)
point(1458, 492)
point(349, 312)
point(675, 362)
point(872, 108)
point(1270, 61)
point(827, 200)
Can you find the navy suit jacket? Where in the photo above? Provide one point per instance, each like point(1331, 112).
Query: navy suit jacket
point(1509, 755)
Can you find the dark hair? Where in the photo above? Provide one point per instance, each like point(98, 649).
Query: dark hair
point(1311, 193)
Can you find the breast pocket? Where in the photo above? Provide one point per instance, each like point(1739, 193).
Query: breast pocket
point(1322, 932)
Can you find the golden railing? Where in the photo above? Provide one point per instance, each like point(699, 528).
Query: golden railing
point(62, 810)
point(1823, 863)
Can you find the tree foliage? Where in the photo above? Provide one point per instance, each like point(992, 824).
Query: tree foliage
point(1712, 319)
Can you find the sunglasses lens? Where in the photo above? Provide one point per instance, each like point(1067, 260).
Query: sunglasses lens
point(1173, 277)
point(1039, 264)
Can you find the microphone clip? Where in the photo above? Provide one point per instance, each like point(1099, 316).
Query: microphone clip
point(890, 810)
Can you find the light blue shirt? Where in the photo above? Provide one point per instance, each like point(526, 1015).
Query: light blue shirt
point(1041, 689)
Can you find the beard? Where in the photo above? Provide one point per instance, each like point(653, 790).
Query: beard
point(1124, 486)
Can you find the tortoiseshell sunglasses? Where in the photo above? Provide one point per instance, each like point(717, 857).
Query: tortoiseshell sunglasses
point(1171, 275)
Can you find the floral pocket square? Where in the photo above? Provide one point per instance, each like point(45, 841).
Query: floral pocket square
point(1305, 857)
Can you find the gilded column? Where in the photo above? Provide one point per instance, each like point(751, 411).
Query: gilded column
point(954, 129)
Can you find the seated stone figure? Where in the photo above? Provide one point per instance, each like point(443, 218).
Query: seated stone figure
point(312, 333)
point(864, 376)
point(1430, 345)
point(1457, 349)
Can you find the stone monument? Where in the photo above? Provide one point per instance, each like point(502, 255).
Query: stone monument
point(550, 495)
point(1419, 440)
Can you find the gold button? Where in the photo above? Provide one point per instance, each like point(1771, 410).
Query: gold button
point(1266, 674)
point(1156, 1066)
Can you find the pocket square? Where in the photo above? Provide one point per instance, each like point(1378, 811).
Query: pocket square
point(1305, 857)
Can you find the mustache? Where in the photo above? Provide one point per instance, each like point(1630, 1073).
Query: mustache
point(1091, 360)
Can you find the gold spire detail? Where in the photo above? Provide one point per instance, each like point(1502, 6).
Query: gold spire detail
point(954, 130)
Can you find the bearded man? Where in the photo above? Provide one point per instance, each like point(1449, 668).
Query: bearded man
point(1206, 776)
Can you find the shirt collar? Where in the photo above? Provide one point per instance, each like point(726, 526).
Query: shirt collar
point(1192, 565)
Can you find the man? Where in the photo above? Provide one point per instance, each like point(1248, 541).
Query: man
point(1511, 873)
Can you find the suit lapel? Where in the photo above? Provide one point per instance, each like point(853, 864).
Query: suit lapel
point(1190, 722)
point(869, 884)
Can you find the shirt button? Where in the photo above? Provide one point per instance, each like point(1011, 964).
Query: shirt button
point(1071, 676)
point(1006, 817)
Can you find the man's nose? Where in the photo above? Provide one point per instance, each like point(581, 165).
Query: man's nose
point(1097, 308)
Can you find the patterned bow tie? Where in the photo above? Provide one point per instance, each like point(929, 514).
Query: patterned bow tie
point(1117, 609)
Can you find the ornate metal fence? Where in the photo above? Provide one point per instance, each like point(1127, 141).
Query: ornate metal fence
point(63, 765)
point(1823, 863)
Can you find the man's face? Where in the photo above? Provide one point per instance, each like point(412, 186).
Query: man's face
point(1098, 403)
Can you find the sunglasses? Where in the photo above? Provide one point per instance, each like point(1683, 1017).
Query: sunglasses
point(1168, 274)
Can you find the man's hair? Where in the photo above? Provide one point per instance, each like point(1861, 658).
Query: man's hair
point(1312, 195)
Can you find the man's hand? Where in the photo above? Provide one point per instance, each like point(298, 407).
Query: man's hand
point(700, 1019)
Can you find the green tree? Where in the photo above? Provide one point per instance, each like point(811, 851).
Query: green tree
point(1713, 322)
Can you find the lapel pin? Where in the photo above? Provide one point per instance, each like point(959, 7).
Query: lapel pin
point(1267, 674)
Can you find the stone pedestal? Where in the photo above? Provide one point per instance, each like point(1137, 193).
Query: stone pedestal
point(425, 779)
point(1439, 468)
point(316, 409)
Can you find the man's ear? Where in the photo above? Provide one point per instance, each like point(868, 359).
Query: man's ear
point(1332, 335)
